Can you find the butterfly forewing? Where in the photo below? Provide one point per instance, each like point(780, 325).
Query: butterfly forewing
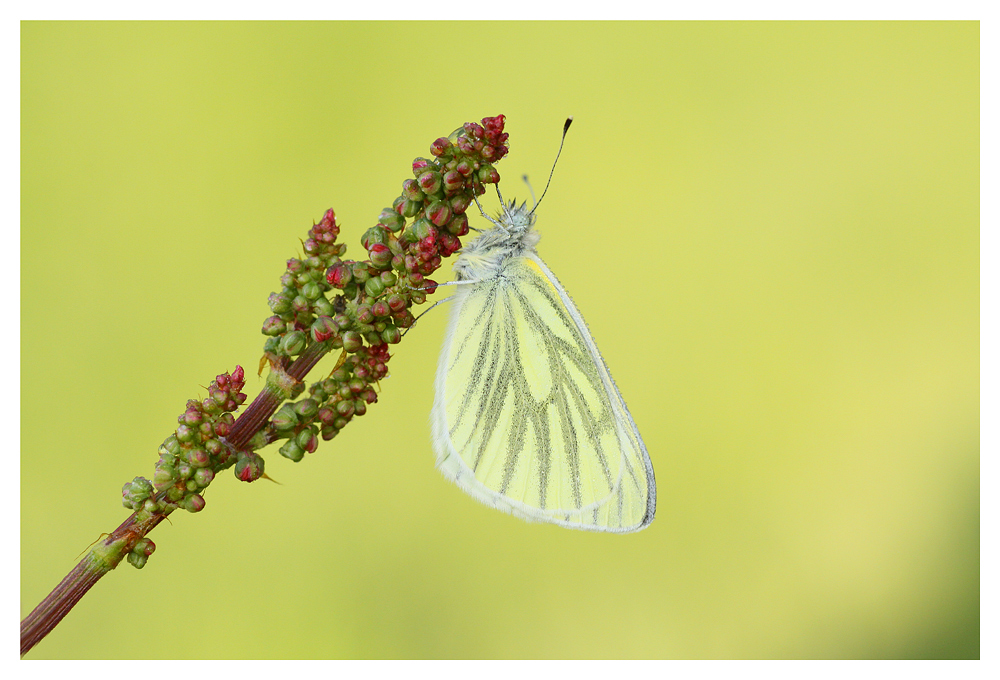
point(526, 416)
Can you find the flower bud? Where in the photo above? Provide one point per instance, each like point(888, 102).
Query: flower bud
point(380, 308)
point(396, 302)
point(197, 458)
point(285, 419)
point(279, 304)
point(322, 307)
point(306, 440)
point(292, 451)
point(380, 255)
point(322, 329)
point(412, 190)
point(411, 208)
point(312, 291)
point(465, 167)
point(204, 477)
point(306, 408)
point(339, 275)
point(391, 335)
point(293, 343)
point(391, 220)
point(249, 468)
point(453, 181)
point(430, 182)
point(193, 503)
point(440, 146)
point(420, 164)
point(459, 225)
point(439, 213)
point(352, 339)
point(376, 234)
point(488, 174)
point(273, 326)
point(374, 287)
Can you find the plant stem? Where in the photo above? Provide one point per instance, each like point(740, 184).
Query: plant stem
point(110, 551)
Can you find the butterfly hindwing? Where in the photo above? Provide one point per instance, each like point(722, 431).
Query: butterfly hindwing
point(527, 418)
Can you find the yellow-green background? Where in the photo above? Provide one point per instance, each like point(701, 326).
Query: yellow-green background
point(771, 228)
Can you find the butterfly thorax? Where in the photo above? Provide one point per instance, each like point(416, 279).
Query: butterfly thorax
point(512, 235)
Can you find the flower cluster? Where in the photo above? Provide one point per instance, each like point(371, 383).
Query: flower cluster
point(302, 310)
point(192, 456)
point(326, 303)
point(373, 308)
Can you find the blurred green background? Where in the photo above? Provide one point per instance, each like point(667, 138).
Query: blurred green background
point(772, 230)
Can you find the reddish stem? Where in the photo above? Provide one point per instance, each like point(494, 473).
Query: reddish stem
point(111, 550)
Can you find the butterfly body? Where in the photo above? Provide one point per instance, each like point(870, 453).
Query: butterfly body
point(526, 416)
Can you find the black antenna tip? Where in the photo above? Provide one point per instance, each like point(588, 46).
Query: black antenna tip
point(569, 121)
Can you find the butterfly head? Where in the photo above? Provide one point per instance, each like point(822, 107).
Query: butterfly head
point(516, 219)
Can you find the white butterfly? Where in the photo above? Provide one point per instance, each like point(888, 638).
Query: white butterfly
point(526, 416)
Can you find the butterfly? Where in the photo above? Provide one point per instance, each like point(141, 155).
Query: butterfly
point(526, 416)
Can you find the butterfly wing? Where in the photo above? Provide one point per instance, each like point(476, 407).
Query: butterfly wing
point(526, 416)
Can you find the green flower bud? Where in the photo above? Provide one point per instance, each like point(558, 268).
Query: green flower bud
point(391, 220)
point(391, 335)
point(249, 468)
point(163, 476)
point(488, 174)
point(365, 314)
point(285, 419)
point(380, 255)
point(439, 213)
point(293, 343)
point(430, 182)
point(273, 326)
point(134, 493)
point(376, 234)
point(185, 433)
point(352, 339)
point(361, 273)
point(380, 308)
point(419, 230)
point(411, 208)
point(204, 477)
point(322, 329)
point(306, 439)
point(412, 190)
point(460, 203)
point(322, 307)
point(171, 446)
point(312, 291)
point(279, 303)
point(306, 408)
point(292, 451)
point(388, 279)
point(374, 287)
point(193, 503)
point(197, 458)
point(453, 181)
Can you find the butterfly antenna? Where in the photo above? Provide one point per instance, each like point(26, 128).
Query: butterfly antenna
point(483, 212)
point(533, 201)
point(569, 121)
